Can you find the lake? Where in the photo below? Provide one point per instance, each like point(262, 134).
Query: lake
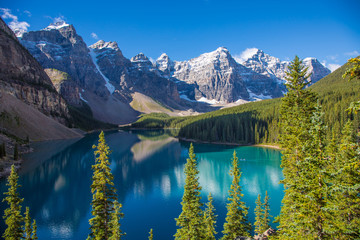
point(148, 169)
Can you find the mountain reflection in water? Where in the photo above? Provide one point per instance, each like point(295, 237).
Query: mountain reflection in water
point(148, 169)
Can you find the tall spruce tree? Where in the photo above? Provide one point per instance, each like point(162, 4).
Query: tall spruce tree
point(344, 200)
point(296, 110)
point(116, 232)
point(353, 72)
point(12, 215)
point(28, 228)
point(151, 235)
point(312, 178)
point(190, 222)
point(104, 193)
point(210, 219)
point(236, 222)
point(34, 231)
point(259, 215)
point(266, 215)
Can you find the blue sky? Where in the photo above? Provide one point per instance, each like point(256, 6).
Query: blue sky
point(326, 29)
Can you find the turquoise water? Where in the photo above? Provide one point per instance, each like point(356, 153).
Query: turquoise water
point(148, 174)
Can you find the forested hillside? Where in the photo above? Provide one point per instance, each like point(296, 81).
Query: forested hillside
point(257, 122)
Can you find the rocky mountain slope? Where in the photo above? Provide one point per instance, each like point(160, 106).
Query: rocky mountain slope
point(273, 67)
point(26, 88)
point(108, 82)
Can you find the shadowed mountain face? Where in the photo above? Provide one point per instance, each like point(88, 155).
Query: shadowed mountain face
point(27, 95)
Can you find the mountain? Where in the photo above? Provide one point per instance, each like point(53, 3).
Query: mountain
point(216, 77)
point(273, 67)
point(258, 122)
point(101, 77)
point(59, 47)
point(27, 95)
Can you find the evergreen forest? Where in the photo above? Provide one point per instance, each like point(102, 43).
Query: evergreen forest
point(317, 129)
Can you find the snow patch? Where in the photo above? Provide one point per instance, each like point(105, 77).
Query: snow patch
point(56, 25)
point(308, 59)
point(211, 102)
point(108, 85)
point(255, 97)
point(183, 96)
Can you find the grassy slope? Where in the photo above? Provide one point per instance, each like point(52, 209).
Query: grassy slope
point(335, 95)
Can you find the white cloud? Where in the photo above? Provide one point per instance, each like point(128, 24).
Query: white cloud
point(18, 27)
point(245, 55)
point(333, 57)
point(59, 19)
point(353, 53)
point(333, 66)
point(28, 13)
point(94, 36)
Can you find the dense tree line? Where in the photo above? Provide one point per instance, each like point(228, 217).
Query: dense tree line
point(258, 122)
point(321, 178)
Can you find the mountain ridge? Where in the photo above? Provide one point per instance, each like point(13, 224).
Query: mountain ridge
point(202, 83)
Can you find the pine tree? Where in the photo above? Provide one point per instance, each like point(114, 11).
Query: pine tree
point(104, 193)
point(344, 201)
point(116, 232)
point(28, 228)
point(236, 218)
point(34, 230)
point(266, 215)
point(259, 216)
point(151, 235)
point(353, 72)
point(12, 215)
point(210, 219)
point(16, 152)
point(190, 221)
point(296, 110)
point(312, 179)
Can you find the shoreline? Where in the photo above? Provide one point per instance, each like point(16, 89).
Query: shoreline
point(273, 146)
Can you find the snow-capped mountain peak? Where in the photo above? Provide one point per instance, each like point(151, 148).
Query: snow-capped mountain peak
point(164, 64)
point(309, 59)
point(101, 44)
point(222, 49)
point(140, 58)
point(19, 32)
point(163, 56)
point(57, 25)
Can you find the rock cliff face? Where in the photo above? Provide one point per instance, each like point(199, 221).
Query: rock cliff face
point(317, 70)
point(217, 78)
point(135, 75)
point(65, 86)
point(112, 63)
point(265, 64)
point(59, 46)
point(23, 77)
point(101, 76)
